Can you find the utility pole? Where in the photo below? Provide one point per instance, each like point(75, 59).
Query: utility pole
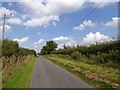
point(4, 20)
point(3, 31)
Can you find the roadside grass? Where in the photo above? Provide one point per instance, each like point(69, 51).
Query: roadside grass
point(21, 76)
point(98, 76)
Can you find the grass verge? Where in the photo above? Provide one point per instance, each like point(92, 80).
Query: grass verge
point(100, 77)
point(22, 75)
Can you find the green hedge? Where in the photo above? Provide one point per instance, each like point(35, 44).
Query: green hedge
point(10, 48)
point(104, 52)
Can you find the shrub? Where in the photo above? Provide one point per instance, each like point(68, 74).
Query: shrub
point(9, 48)
point(76, 55)
point(103, 53)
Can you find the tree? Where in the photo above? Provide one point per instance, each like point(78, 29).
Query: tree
point(50, 46)
point(10, 48)
point(44, 50)
point(25, 52)
point(64, 46)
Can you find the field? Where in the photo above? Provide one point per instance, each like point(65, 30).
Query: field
point(100, 76)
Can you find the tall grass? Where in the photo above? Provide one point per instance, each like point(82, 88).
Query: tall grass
point(102, 53)
point(20, 75)
point(8, 65)
point(100, 75)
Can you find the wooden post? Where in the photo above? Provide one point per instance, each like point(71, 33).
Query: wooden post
point(3, 32)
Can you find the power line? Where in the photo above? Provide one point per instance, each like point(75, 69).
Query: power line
point(87, 15)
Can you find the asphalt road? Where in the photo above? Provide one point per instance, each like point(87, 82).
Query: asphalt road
point(49, 75)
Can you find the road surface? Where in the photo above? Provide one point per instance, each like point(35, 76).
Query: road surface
point(49, 75)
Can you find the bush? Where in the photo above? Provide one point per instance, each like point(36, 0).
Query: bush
point(103, 53)
point(76, 55)
point(108, 57)
point(9, 48)
point(11, 52)
point(114, 56)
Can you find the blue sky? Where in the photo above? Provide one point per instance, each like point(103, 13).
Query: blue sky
point(33, 23)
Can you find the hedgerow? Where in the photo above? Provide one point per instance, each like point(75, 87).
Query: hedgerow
point(103, 53)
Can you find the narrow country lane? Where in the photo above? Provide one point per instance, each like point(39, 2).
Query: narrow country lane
point(49, 75)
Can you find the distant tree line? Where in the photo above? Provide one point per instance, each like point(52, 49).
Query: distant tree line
point(93, 49)
point(104, 52)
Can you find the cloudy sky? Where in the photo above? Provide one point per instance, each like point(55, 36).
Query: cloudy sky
point(70, 22)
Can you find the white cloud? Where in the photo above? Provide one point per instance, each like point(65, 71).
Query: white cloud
point(92, 38)
point(21, 40)
point(38, 9)
point(115, 21)
point(7, 27)
point(61, 38)
point(14, 21)
point(54, 23)
point(60, 46)
point(52, 7)
point(89, 39)
point(37, 46)
point(85, 24)
point(44, 21)
point(68, 41)
point(39, 41)
point(3, 11)
point(102, 3)
point(72, 43)
point(41, 14)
